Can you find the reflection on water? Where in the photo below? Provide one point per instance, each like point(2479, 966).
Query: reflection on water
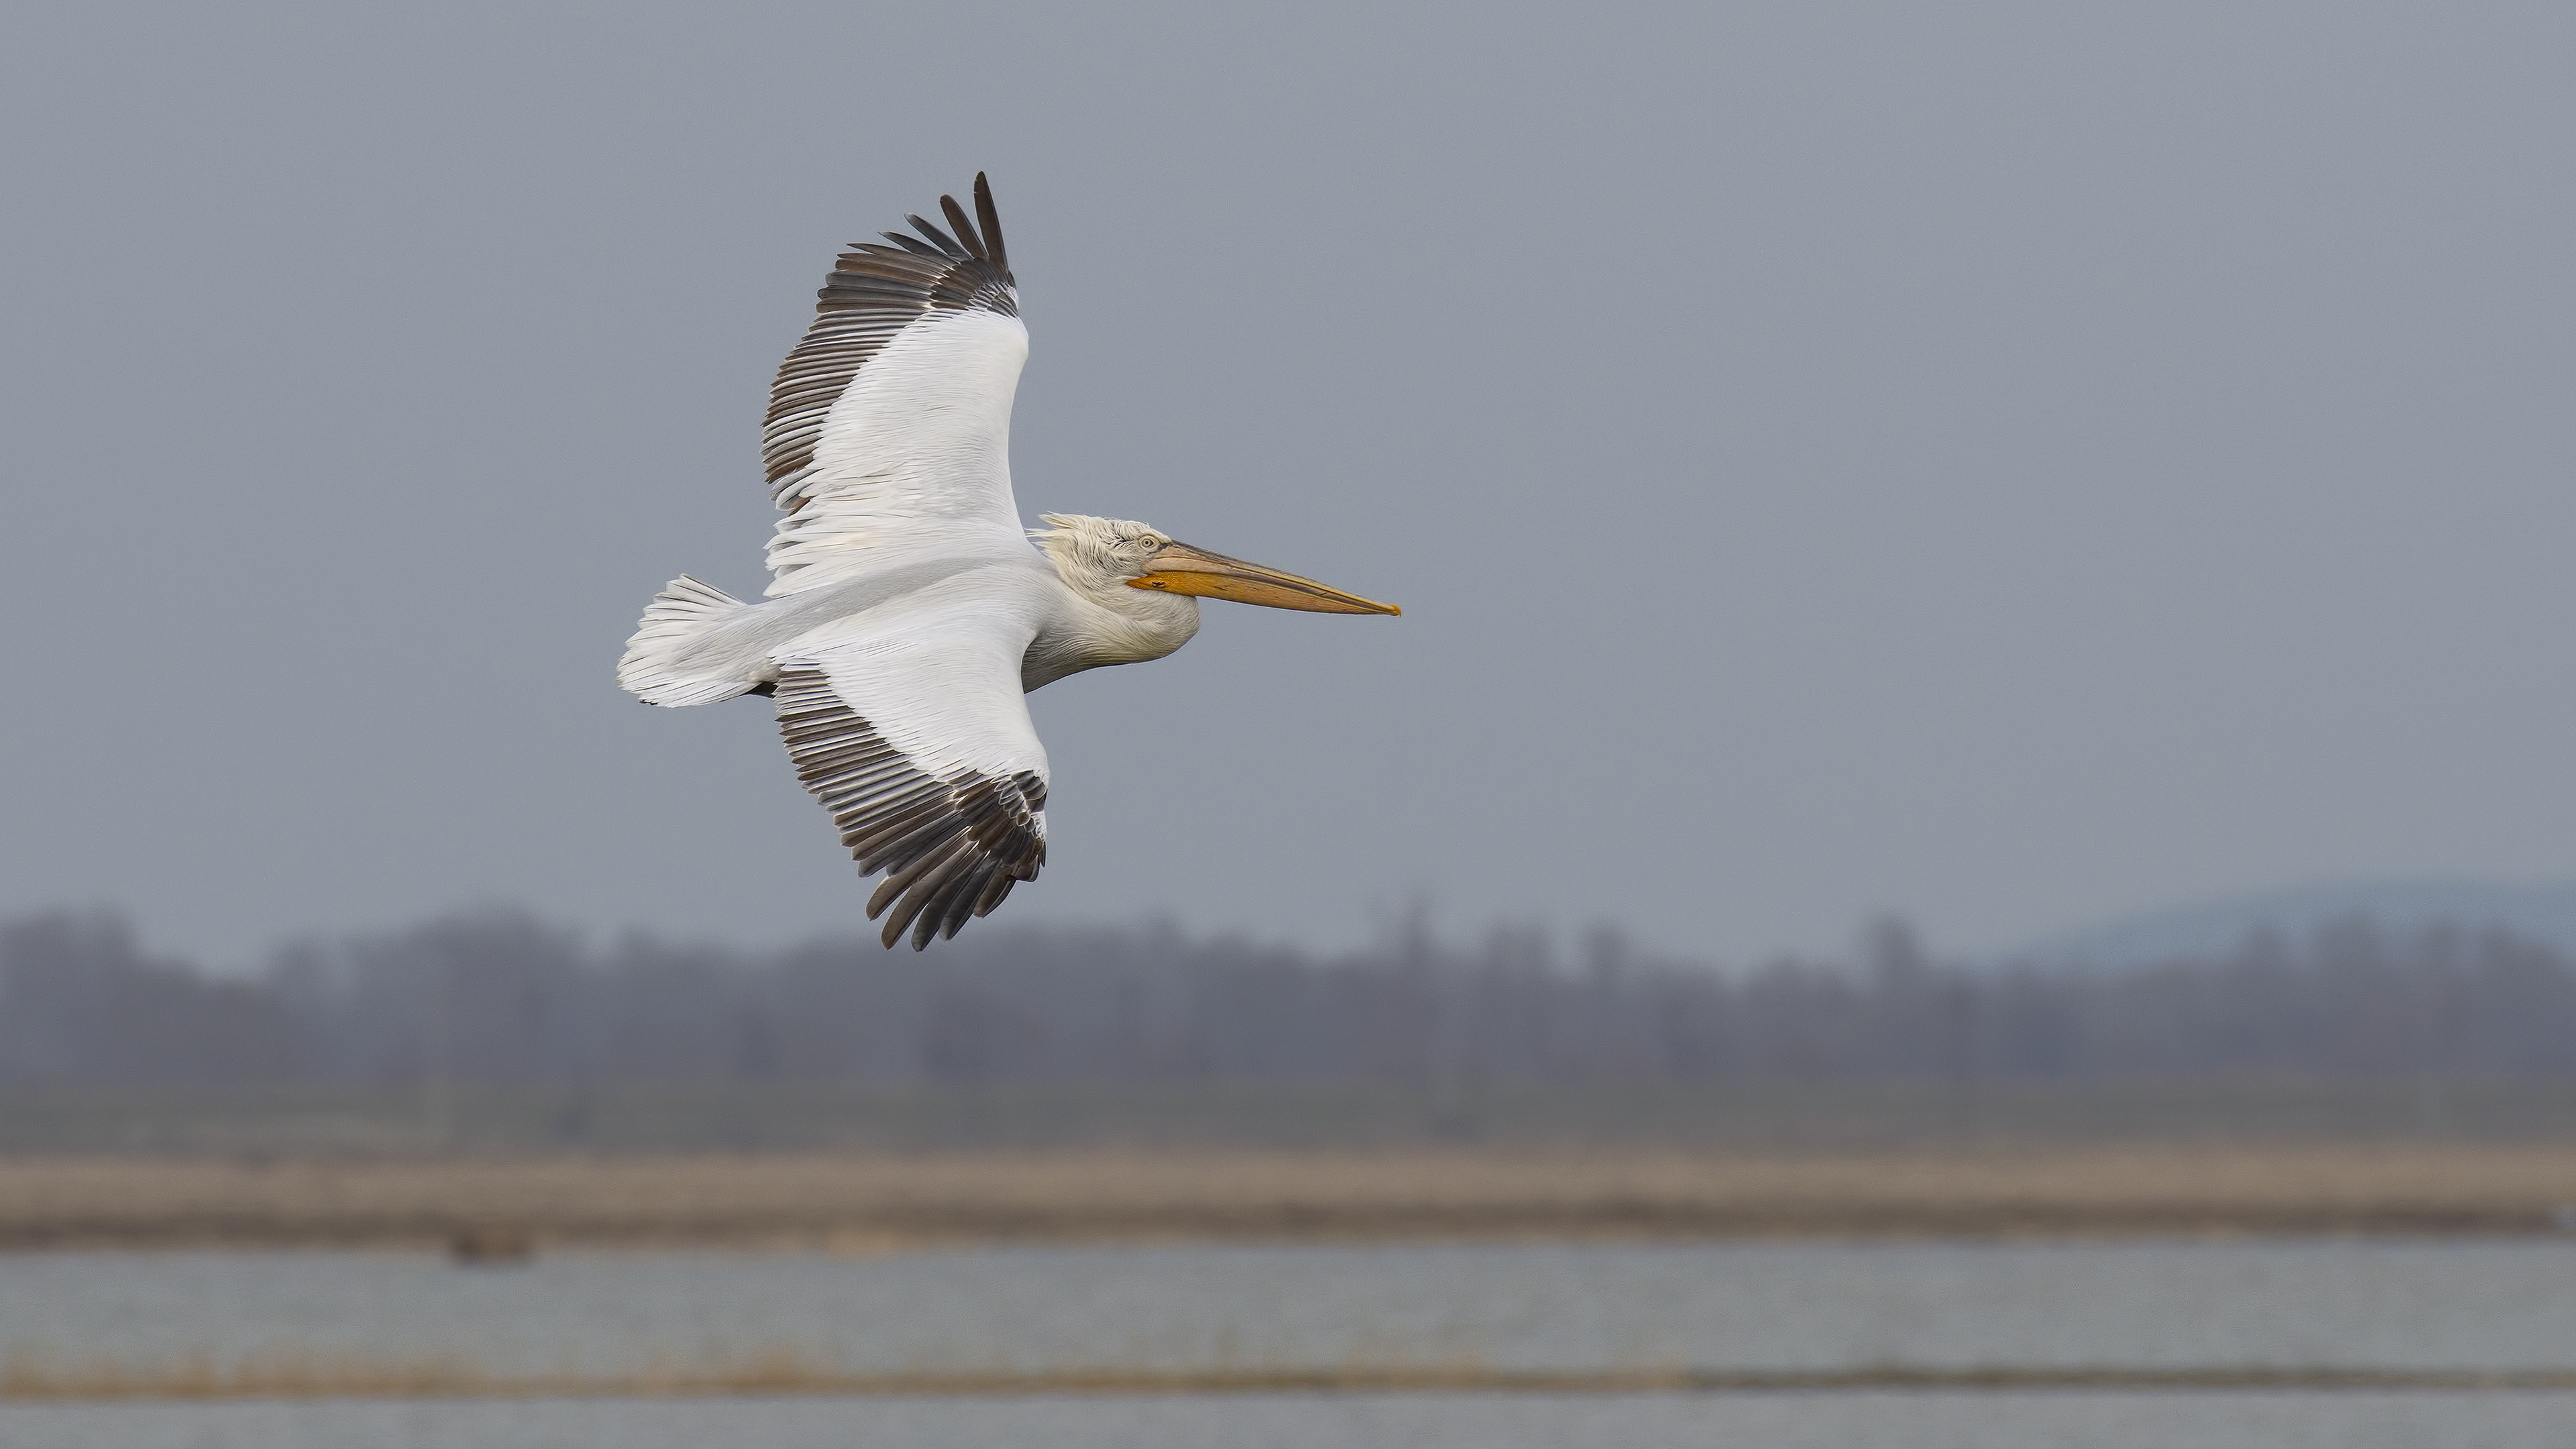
point(2344, 1304)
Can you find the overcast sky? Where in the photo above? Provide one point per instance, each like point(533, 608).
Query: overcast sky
point(2010, 465)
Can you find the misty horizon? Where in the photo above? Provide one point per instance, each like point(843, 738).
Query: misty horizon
point(2540, 910)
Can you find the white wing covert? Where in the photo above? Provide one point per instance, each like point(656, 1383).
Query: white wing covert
point(888, 432)
point(910, 726)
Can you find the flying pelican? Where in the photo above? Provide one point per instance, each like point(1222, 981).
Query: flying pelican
point(908, 612)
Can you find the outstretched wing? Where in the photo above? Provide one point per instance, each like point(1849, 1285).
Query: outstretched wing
point(910, 726)
point(889, 427)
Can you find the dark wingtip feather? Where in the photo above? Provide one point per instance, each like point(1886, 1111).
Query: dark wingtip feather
point(946, 243)
point(884, 895)
point(965, 229)
point(992, 223)
point(914, 245)
point(926, 929)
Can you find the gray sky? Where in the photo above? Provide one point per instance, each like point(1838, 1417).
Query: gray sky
point(2009, 464)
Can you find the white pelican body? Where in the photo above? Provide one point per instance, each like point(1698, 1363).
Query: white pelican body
point(908, 613)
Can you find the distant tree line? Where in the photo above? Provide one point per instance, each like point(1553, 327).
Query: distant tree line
point(506, 999)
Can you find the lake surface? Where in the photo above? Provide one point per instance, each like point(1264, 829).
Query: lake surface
point(1736, 1306)
point(1492, 1421)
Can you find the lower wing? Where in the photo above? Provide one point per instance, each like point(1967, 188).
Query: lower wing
point(912, 730)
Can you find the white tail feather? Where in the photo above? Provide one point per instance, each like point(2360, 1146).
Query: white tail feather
point(653, 668)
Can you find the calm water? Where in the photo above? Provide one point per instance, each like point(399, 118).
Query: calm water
point(1785, 1421)
point(2447, 1305)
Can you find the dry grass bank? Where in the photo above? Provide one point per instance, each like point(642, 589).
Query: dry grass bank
point(788, 1117)
point(855, 1201)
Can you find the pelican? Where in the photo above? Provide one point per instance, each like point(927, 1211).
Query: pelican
point(909, 613)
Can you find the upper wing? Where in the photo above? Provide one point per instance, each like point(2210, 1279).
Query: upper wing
point(910, 726)
point(889, 426)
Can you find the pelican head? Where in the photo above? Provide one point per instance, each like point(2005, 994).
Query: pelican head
point(1099, 557)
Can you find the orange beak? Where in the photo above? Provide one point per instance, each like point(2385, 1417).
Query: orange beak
point(1181, 569)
